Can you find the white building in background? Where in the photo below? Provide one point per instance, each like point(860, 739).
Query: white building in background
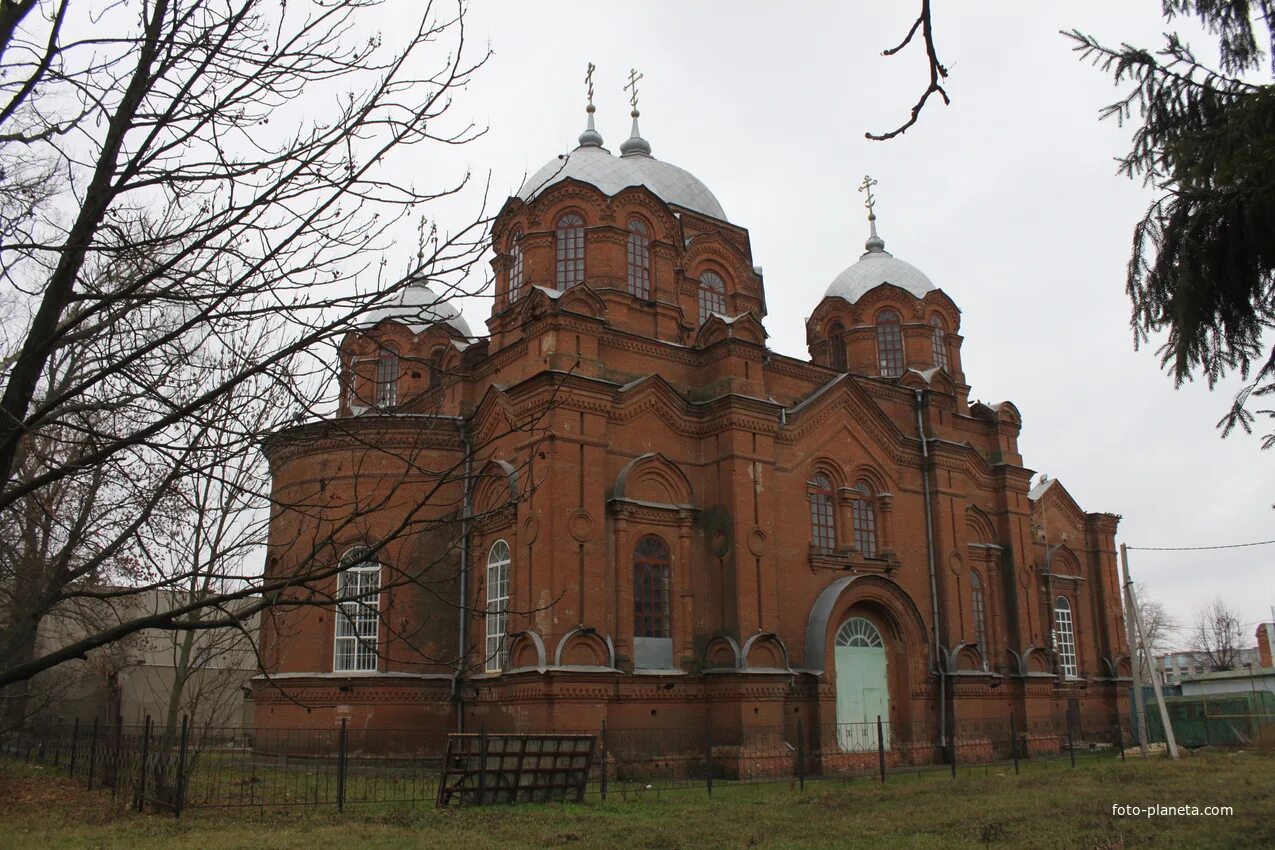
point(134, 677)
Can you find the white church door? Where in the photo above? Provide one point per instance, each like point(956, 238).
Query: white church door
point(862, 692)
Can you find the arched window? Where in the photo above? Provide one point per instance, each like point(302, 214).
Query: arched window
point(387, 378)
point(823, 526)
point(436, 366)
point(651, 588)
point(980, 616)
point(889, 344)
point(865, 520)
point(837, 347)
point(515, 266)
point(638, 254)
point(1065, 637)
point(497, 605)
point(938, 340)
point(859, 632)
point(712, 295)
point(358, 614)
point(570, 237)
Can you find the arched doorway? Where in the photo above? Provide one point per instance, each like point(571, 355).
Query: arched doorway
point(862, 690)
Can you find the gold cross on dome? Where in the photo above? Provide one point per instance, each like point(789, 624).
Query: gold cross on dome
point(866, 186)
point(634, 76)
point(588, 81)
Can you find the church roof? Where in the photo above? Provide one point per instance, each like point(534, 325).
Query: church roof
point(418, 307)
point(593, 164)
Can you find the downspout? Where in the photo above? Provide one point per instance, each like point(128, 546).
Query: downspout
point(458, 691)
point(919, 396)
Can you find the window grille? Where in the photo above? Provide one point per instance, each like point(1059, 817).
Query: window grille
point(823, 526)
point(865, 520)
point(387, 379)
point(980, 615)
point(570, 239)
point(358, 616)
point(1065, 637)
point(938, 341)
point(889, 344)
point(638, 253)
point(651, 561)
point(712, 296)
point(498, 561)
point(515, 266)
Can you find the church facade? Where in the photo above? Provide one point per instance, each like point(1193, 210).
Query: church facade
point(619, 504)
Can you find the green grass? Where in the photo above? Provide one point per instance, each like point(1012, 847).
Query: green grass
point(1046, 807)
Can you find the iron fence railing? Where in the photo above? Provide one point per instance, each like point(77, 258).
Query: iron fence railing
point(156, 768)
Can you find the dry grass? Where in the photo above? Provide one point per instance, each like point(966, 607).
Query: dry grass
point(1052, 808)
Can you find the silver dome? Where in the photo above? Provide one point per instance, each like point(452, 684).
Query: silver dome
point(875, 267)
point(418, 307)
point(598, 167)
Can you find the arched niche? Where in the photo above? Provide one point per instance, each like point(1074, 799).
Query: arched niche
point(721, 653)
point(584, 647)
point(654, 480)
point(765, 651)
point(526, 649)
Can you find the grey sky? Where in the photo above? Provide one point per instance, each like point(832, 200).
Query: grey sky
point(1007, 199)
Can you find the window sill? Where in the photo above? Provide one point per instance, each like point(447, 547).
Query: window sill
point(845, 560)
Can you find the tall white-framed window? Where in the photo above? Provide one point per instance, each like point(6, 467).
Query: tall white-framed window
point(1065, 637)
point(497, 605)
point(515, 266)
point(387, 378)
point(358, 615)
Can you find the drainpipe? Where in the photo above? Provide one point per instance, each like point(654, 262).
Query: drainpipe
point(458, 690)
point(919, 396)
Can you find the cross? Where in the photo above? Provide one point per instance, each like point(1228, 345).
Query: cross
point(588, 81)
point(634, 76)
point(866, 186)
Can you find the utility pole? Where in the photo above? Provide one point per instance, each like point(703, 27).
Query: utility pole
point(1135, 664)
point(1169, 737)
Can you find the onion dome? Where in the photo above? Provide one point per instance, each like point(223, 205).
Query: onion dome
point(593, 164)
point(417, 307)
point(875, 267)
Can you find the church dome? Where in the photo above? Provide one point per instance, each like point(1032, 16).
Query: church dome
point(593, 164)
point(417, 307)
point(875, 267)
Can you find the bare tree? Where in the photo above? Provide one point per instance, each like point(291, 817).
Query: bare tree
point(193, 191)
point(1162, 628)
point(1217, 636)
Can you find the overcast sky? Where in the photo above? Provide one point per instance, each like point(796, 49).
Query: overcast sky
point(1007, 199)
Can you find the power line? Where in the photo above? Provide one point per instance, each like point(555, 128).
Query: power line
point(1198, 548)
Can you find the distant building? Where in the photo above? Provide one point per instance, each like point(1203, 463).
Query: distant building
point(134, 677)
point(1178, 667)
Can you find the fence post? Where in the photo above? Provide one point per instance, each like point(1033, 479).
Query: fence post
point(604, 761)
point(75, 742)
point(341, 744)
point(881, 749)
point(114, 772)
point(708, 753)
point(1120, 735)
point(482, 763)
point(141, 765)
point(181, 768)
point(1071, 743)
point(801, 756)
point(1013, 739)
point(951, 742)
point(92, 753)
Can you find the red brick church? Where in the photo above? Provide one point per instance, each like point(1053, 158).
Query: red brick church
point(651, 518)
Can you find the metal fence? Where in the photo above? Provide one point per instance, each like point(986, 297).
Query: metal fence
point(159, 769)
